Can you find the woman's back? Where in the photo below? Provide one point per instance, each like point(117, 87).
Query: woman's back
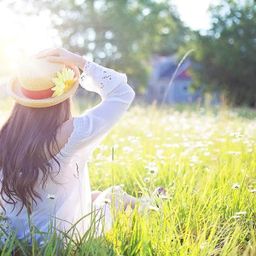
point(67, 201)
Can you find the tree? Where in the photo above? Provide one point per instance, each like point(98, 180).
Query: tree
point(120, 34)
point(227, 53)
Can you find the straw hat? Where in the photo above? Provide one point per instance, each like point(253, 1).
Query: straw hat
point(32, 87)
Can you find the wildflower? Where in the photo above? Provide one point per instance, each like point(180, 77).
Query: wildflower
point(236, 217)
point(153, 208)
point(204, 245)
point(236, 186)
point(63, 81)
point(146, 180)
point(207, 153)
point(253, 190)
point(152, 167)
point(240, 213)
point(195, 159)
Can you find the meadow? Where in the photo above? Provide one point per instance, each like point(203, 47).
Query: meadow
point(203, 157)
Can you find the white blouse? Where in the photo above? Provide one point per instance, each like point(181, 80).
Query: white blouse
point(66, 203)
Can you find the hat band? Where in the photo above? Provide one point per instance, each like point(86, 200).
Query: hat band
point(42, 94)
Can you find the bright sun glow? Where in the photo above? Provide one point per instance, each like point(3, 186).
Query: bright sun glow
point(195, 13)
point(22, 36)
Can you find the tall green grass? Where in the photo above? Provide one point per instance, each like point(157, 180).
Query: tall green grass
point(204, 158)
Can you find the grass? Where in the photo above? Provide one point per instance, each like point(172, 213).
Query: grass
point(205, 159)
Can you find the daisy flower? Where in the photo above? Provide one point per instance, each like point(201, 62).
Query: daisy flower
point(63, 81)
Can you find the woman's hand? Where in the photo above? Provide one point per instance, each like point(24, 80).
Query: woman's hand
point(61, 55)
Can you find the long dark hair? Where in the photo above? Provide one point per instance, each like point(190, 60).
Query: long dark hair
point(26, 138)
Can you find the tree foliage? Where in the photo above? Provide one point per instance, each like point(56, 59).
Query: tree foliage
point(227, 53)
point(121, 34)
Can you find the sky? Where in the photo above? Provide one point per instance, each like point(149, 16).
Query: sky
point(194, 13)
point(22, 36)
point(33, 34)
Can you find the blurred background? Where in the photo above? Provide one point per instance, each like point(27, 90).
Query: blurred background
point(173, 52)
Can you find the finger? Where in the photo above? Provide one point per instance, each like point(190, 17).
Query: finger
point(48, 52)
point(56, 59)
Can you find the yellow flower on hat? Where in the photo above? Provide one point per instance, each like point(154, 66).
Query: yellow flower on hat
point(63, 81)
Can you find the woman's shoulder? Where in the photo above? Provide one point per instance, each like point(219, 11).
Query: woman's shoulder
point(63, 135)
point(70, 134)
point(64, 132)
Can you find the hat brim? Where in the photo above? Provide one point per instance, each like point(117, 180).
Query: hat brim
point(14, 91)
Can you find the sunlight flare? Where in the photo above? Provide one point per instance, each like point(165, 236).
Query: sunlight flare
point(22, 36)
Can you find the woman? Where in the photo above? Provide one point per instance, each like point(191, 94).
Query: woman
point(44, 149)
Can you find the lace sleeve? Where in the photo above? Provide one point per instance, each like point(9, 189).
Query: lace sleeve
point(94, 124)
point(100, 79)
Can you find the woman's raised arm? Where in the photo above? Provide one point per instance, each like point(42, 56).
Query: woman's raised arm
point(116, 95)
